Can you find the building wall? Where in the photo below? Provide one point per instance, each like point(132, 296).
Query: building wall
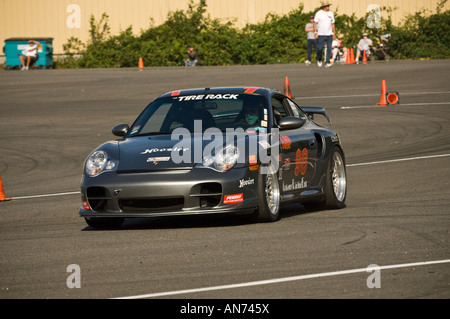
point(62, 19)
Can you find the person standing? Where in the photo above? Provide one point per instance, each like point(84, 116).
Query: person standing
point(324, 32)
point(310, 39)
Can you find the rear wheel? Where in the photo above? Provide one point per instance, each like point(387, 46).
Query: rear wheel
point(104, 223)
point(268, 198)
point(336, 189)
point(336, 184)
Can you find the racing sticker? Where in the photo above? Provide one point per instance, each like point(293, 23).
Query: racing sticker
point(264, 144)
point(246, 182)
point(285, 142)
point(231, 199)
point(209, 97)
point(135, 129)
point(250, 90)
point(301, 161)
point(156, 160)
point(294, 185)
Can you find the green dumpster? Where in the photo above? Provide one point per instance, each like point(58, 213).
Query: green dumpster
point(14, 46)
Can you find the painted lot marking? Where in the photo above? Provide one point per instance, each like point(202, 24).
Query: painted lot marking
point(348, 165)
point(363, 95)
point(46, 195)
point(398, 160)
point(396, 105)
point(284, 279)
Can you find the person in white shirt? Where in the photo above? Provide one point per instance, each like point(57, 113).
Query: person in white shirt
point(29, 54)
point(336, 49)
point(364, 45)
point(324, 32)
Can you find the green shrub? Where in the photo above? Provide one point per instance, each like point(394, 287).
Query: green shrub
point(278, 39)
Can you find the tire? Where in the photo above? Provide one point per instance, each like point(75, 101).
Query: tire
point(336, 187)
point(268, 198)
point(104, 223)
point(336, 184)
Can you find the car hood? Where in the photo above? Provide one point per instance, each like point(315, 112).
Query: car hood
point(149, 153)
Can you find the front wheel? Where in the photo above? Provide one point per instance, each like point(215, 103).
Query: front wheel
point(268, 198)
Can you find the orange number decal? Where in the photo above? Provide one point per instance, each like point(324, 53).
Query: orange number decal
point(301, 161)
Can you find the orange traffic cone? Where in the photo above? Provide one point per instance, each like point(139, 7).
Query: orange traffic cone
point(352, 56)
point(393, 97)
point(287, 87)
point(364, 57)
point(2, 193)
point(347, 57)
point(141, 64)
point(383, 93)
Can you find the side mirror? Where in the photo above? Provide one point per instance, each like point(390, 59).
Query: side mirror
point(291, 123)
point(120, 130)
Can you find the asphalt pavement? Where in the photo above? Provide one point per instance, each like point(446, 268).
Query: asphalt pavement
point(397, 216)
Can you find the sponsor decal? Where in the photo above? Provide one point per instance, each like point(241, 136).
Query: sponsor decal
point(246, 182)
point(173, 149)
point(231, 199)
point(301, 161)
point(285, 142)
point(253, 160)
point(294, 185)
point(135, 129)
point(208, 97)
point(264, 144)
point(176, 93)
point(254, 167)
point(156, 160)
point(286, 164)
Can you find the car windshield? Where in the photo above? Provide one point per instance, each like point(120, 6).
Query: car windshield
point(197, 113)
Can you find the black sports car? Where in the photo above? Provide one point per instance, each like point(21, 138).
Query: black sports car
point(215, 150)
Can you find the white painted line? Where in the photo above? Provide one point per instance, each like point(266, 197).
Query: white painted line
point(402, 104)
point(362, 95)
point(46, 195)
point(398, 160)
point(284, 279)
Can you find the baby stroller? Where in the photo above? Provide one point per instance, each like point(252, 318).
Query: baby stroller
point(382, 49)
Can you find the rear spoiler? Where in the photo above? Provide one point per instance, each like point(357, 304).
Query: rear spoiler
point(311, 110)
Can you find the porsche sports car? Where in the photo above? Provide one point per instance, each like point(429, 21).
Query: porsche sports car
point(214, 151)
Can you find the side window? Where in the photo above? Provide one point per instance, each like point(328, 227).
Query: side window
point(279, 110)
point(296, 110)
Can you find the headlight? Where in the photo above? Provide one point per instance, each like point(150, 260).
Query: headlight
point(99, 162)
point(223, 160)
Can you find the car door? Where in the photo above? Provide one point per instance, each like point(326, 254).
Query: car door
point(298, 149)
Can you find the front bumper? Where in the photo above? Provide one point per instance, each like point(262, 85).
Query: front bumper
point(169, 193)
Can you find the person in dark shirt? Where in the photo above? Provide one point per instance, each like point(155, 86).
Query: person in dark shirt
point(191, 58)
